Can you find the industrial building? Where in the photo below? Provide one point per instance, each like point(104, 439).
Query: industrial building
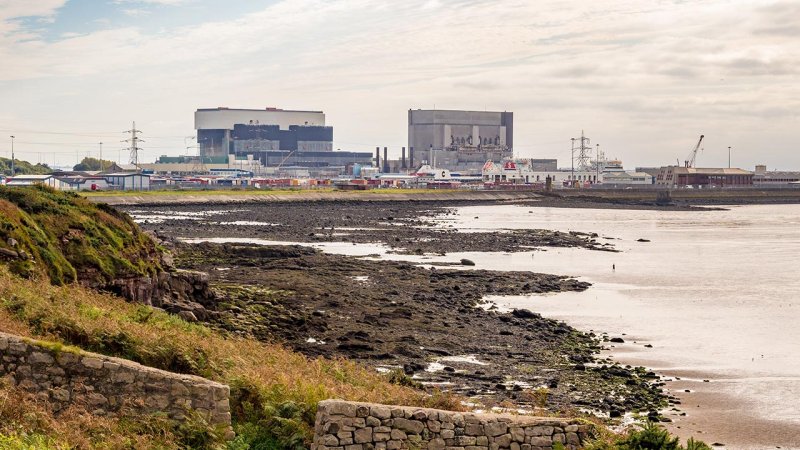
point(260, 129)
point(762, 177)
point(676, 176)
point(460, 141)
point(270, 140)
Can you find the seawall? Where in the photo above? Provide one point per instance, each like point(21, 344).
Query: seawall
point(342, 425)
point(105, 386)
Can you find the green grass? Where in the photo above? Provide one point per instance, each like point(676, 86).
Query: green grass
point(68, 238)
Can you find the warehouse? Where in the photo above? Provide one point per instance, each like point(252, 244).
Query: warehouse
point(676, 176)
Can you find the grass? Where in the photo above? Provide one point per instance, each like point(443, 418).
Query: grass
point(67, 238)
point(267, 380)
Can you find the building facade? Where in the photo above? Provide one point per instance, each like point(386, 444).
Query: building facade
point(677, 176)
point(460, 141)
point(222, 131)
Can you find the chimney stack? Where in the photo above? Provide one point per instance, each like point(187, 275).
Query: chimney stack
point(403, 160)
point(378, 157)
point(410, 157)
point(385, 160)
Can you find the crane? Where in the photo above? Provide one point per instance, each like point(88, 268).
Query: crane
point(693, 155)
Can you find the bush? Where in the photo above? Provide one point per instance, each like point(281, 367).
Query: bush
point(650, 436)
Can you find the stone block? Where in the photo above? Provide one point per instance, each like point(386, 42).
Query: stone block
point(354, 447)
point(517, 434)
point(329, 440)
point(541, 441)
point(503, 441)
point(572, 438)
point(398, 435)
point(40, 358)
point(394, 445)
point(495, 428)
point(435, 426)
point(381, 412)
point(362, 435)
point(448, 434)
point(372, 421)
point(409, 426)
point(473, 429)
point(381, 437)
point(482, 440)
point(437, 444)
point(465, 440)
point(343, 408)
point(571, 428)
point(92, 362)
point(362, 411)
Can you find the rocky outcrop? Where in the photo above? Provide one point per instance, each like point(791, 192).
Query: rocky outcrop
point(344, 425)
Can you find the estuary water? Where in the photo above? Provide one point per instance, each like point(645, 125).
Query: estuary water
point(715, 293)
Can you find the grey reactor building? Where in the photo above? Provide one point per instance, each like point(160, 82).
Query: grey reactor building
point(460, 141)
point(276, 137)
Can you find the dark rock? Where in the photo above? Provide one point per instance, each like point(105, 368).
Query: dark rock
point(617, 340)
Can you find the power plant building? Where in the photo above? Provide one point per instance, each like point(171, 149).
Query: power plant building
point(274, 137)
point(222, 131)
point(460, 141)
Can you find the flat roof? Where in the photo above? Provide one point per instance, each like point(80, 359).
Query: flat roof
point(223, 108)
point(31, 177)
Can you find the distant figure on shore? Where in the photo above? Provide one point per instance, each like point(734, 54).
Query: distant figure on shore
point(614, 267)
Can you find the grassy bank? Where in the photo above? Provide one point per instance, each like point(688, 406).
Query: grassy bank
point(274, 391)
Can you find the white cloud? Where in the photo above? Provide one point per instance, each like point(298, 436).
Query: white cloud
point(642, 77)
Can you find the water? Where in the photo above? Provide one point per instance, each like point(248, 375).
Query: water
point(716, 293)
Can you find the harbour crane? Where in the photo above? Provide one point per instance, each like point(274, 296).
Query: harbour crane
point(693, 155)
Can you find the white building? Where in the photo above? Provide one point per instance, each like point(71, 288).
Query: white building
point(521, 172)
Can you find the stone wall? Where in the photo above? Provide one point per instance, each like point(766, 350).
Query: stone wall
point(103, 385)
point(344, 425)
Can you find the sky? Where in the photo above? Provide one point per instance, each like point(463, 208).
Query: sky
point(642, 78)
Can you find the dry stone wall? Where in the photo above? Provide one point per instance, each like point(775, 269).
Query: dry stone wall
point(344, 425)
point(103, 385)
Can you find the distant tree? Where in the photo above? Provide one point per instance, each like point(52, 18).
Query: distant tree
point(89, 164)
point(23, 168)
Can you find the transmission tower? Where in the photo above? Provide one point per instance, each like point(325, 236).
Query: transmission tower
point(200, 163)
point(134, 147)
point(583, 160)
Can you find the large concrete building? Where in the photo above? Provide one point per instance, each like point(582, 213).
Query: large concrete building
point(222, 131)
point(460, 141)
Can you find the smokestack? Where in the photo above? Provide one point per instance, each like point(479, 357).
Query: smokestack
point(385, 160)
point(378, 157)
point(403, 160)
point(411, 157)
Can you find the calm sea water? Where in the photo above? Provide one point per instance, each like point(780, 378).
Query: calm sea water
point(716, 293)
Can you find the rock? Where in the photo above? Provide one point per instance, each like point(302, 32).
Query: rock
point(643, 240)
point(525, 314)
point(617, 340)
point(467, 262)
point(187, 316)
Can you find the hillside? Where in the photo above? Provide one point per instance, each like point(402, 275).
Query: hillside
point(62, 238)
point(23, 167)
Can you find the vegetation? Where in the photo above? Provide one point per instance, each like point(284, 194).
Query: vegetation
point(23, 168)
point(274, 391)
point(91, 164)
point(67, 238)
point(649, 436)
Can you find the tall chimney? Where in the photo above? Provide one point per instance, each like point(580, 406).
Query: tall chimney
point(410, 157)
point(385, 160)
point(403, 160)
point(378, 157)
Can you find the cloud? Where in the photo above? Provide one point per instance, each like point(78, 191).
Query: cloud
point(628, 70)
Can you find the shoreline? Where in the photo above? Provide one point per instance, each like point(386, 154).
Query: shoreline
point(396, 315)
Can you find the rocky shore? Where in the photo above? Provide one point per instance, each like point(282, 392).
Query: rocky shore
point(425, 326)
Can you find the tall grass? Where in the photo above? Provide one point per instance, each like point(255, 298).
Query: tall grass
point(266, 379)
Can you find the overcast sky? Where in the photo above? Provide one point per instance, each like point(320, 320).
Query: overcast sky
point(643, 78)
